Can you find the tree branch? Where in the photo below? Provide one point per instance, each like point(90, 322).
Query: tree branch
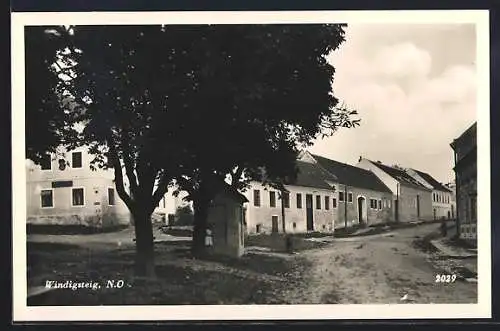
point(120, 188)
point(160, 191)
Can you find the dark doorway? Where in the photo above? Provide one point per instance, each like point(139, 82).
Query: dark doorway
point(418, 206)
point(274, 228)
point(309, 212)
point(396, 210)
point(362, 212)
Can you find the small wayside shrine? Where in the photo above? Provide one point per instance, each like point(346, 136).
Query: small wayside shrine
point(226, 223)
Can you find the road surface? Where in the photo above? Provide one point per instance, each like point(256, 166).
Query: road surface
point(376, 270)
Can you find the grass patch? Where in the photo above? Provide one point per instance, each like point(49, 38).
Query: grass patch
point(253, 279)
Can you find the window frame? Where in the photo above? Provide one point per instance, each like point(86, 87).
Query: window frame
point(114, 196)
point(52, 198)
point(285, 196)
point(71, 196)
point(327, 202)
point(318, 202)
point(349, 194)
point(272, 199)
point(298, 197)
point(334, 203)
point(72, 160)
point(341, 194)
point(50, 164)
point(256, 200)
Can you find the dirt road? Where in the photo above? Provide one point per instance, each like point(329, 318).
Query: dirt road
point(379, 269)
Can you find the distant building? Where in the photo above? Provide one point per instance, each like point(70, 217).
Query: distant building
point(363, 198)
point(453, 188)
point(412, 200)
point(325, 196)
point(441, 195)
point(310, 204)
point(465, 150)
point(63, 190)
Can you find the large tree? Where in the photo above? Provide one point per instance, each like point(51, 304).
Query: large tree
point(195, 105)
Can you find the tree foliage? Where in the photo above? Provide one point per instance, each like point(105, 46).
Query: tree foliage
point(195, 105)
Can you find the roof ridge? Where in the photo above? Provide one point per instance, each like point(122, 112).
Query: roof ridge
point(347, 164)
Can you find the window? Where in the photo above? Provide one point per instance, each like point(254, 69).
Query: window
point(294, 225)
point(389, 203)
point(318, 202)
point(341, 196)
point(349, 197)
point(380, 204)
point(384, 203)
point(111, 196)
point(78, 198)
point(76, 159)
point(299, 200)
point(47, 198)
point(258, 228)
point(256, 198)
point(373, 203)
point(286, 199)
point(272, 199)
point(327, 203)
point(46, 162)
point(334, 202)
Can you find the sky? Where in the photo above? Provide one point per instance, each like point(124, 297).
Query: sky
point(414, 87)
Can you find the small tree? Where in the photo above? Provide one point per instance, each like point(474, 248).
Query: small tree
point(184, 215)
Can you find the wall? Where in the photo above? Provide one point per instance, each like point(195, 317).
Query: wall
point(323, 219)
point(373, 216)
point(467, 190)
point(442, 204)
point(408, 206)
point(96, 211)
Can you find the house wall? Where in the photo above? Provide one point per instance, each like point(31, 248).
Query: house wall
point(442, 204)
point(374, 215)
point(96, 211)
point(295, 218)
point(408, 204)
point(467, 201)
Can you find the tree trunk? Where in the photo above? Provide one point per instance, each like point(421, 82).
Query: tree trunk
point(145, 265)
point(200, 206)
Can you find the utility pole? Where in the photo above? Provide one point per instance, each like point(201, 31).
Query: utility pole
point(345, 205)
point(283, 210)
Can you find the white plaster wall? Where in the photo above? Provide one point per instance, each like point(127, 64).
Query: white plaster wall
point(389, 181)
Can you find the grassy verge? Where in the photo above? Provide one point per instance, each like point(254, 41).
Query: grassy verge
point(253, 279)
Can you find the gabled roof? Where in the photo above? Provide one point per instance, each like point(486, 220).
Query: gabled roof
point(311, 175)
point(434, 183)
point(400, 175)
point(351, 175)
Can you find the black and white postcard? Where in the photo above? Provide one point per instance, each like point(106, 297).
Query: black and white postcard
point(251, 165)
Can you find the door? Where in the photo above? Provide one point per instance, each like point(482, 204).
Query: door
point(418, 206)
point(309, 212)
point(396, 210)
point(274, 227)
point(361, 210)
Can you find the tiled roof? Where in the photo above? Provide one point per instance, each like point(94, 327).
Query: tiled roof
point(351, 175)
point(311, 175)
point(434, 183)
point(400, 175)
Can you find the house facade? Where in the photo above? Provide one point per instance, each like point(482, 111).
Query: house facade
point(325, 196)
point(362, 197)
point(465, 150)
point(442, 196)
point(63, 190)
point(309, 204)
point(412, 201)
